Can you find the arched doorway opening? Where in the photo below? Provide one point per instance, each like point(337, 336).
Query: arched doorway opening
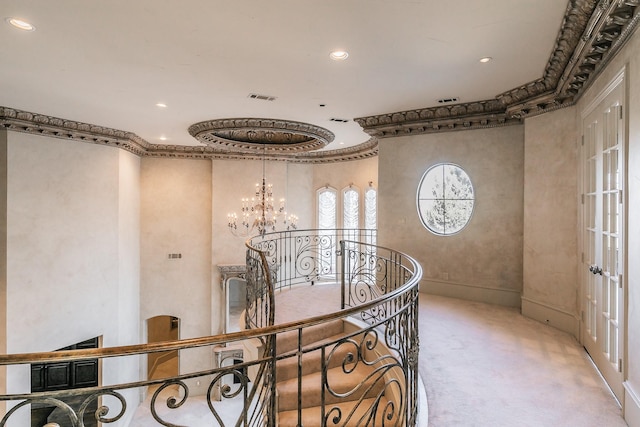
point(164, 364)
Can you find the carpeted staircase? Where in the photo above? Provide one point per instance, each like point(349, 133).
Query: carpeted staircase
point(355, 383)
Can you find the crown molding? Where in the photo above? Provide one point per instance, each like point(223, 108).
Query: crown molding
point(251, 135)
point(592, 32)
point(39, 124)
point(23, 121)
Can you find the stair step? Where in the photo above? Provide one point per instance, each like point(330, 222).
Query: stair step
point(312, 361)
point(288, 341)
point(339, 381)
point(312, 417)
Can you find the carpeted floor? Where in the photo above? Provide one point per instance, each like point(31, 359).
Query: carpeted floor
point(483, 366)
point(486, 365)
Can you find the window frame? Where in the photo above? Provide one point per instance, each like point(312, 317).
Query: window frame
point(444, 199)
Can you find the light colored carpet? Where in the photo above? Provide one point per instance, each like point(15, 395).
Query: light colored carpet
point(485, 365)
point(303, 301)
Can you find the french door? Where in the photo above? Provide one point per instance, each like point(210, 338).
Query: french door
point(603, 148)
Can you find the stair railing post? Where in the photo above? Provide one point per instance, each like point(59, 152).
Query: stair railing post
point(342, 274)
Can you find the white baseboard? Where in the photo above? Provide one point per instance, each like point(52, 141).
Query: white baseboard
point(504, 297)
point(631, 406)
point(423, 404)
point(550, 315)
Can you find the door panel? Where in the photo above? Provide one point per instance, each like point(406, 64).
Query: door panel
point(602, 222)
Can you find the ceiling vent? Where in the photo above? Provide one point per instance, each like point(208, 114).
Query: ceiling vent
point(338, 120)
point(447, 100)
point(262, 97)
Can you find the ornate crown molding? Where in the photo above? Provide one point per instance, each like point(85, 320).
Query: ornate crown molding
point(250, 135)
point(592, 33)
point(358, 152)
point(39, 124)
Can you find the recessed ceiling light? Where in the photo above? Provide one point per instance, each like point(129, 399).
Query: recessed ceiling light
point(21, 24)
point(163, 138)
point(341, 143)
point(161, 105)
point(339, 55)
point(485, 59)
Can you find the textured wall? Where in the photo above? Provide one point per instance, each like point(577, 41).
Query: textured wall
point(629, 56)
point(632, 55)
point(3, 260)
point(233, 180)
point(550, 281)
point(63, 246)
point(121, 370)
point(483, 261)
point(176, 219)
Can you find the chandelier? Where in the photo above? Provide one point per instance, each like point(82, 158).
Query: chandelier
point(258, 214)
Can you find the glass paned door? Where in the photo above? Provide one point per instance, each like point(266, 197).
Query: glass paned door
point(602, 287)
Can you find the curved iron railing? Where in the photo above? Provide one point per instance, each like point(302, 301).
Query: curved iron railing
point(292, 258)
point(381, 342)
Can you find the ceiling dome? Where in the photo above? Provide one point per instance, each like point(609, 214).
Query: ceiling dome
point(253, 135)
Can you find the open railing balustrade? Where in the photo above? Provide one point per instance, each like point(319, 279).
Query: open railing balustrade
point(293, 258)
point(379, 302)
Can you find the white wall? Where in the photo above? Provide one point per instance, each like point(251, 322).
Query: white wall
point(66, 281)
point(484, 261)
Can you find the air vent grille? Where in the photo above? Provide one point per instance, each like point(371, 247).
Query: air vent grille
point(262, 97)
point(338, 120)
point(447, 100)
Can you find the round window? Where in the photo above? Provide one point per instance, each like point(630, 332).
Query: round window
point(445, 199)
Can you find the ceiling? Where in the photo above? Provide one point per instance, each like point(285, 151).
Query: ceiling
point(109, 63)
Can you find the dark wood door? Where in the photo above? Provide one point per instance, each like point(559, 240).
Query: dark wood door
point(64, 376)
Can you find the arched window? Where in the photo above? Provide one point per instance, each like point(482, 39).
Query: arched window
point(327, 208)
point(445, 199)
point(350, 208)
point(371, 208)
point(371, 214)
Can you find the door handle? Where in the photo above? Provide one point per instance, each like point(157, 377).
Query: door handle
point(595, 269)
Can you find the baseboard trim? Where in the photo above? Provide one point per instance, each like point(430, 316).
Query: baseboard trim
point(550, 315)
point(504, 297)
point(631, 409)
point(423, 404)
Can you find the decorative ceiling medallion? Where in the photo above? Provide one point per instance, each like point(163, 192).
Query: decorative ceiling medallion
point(257, 135)
point(592, 32)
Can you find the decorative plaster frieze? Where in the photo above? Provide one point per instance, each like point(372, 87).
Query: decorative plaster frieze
point(591, 34)
point(358, 152)
point(39, 124)
point(251, 135)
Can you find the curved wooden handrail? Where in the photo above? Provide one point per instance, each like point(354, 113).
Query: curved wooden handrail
point(129, 350)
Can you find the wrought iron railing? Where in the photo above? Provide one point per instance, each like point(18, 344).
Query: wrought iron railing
point(380, 345)
point(293, 258)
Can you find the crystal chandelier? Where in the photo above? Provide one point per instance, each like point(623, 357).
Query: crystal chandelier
point(259, 214)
